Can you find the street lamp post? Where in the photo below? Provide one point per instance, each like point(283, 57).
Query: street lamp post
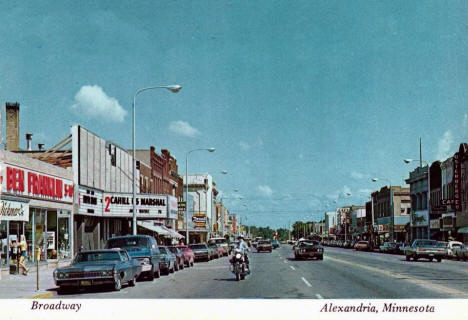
point(391, 205)
point(172, 88)
point(186, 189)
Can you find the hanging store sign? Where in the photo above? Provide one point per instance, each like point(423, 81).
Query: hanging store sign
point(148, 205)
point(172, 208)
point(419, 218)
point(434, 224)
point(14, 211)
point(34, 184)
point(457, 181)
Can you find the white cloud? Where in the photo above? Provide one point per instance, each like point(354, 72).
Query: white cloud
point(265, 190)
point(445, 145)
point(244, 146)
point(94, 102)
point(183, 128)
point(357, 175)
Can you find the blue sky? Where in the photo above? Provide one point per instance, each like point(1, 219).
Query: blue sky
point(303, 100)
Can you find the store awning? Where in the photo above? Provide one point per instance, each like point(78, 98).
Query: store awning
point(463, 230)
point(158, 229)
point(174, 234)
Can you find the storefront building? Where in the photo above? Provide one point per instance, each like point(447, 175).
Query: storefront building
point(462, 215)
point(102, 172)
point(36, 201)
point(419, 221)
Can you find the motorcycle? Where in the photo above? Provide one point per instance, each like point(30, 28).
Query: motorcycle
point(238, 265)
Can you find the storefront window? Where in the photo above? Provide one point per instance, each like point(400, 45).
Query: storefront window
point(40, 236)
point(3, 241)
point(51, 234)
point(63, 238)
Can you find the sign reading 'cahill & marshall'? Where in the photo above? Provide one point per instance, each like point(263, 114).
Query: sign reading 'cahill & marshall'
point(121, 205)
point(14, 211)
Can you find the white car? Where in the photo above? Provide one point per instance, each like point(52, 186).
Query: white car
point(451, 246)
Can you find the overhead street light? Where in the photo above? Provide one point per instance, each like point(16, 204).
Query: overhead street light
point(173, 88)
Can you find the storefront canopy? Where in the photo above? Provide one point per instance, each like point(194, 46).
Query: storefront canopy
point(173, 234)
point(158, 229)
point(463, 230)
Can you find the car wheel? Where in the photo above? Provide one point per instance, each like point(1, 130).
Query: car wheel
point(176, 266)
point(415, 258)
point(132, 282)
point(192, 263)
point(408, 258)
point(320, 258)
point(430, 259)
point(242, 276)
point(117, 284)
point(63, 290)
point(438, 259)
point(182, 266)
point(296, 257)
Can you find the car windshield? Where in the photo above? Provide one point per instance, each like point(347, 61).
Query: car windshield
point(456, 245)
point(264, 242)
point(198, 246)
point(128, 243)
point(427, 243)
point(442, 244)
point(308, 243)
point(97, 256)
point(162, 250)
point(362, 242)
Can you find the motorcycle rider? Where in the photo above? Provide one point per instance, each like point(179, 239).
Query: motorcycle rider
point(244, 248)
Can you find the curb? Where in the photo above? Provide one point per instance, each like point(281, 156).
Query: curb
point(42, 296)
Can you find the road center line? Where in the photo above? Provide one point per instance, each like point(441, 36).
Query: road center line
point(306, 282)
point(292, 268)
point(319, 296)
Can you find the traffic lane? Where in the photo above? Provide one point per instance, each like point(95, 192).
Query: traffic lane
point(342, 277)
point(446, 273)
point(271, 277)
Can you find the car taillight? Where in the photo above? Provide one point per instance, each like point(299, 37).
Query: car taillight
point(420, 250)
point(441, 250)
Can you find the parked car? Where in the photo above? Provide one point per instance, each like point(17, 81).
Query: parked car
point(461, 253)
point(201, 251)
point(264, 245)
point(388, 247)
point(402, 247)
point(214, 250)
point(189, 256)
point(142, 248)
point(180, 261)
point(275, 244)
point(168, 260)
point(98, 267)
point(308, 249)
point(223, 243)
point(362, 245)
point(221, 250)
point(425, 248)
point(451, 248)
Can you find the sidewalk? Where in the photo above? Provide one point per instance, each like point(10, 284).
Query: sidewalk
point(18, 286)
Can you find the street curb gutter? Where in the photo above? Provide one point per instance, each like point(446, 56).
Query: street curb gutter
point(42, 296)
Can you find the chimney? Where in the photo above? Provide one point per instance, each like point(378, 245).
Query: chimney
point(40, 146)
point(29, 141)
point(12, 126)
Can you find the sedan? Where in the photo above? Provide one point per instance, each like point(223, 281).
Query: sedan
point(425, 248)
point(362, 245)
point(98, 267)
point(214, 250)
point(201, 251)
point(189, 256)
point(179, 257)
point(264, 245)
point(461, 253)
point(308, 249)
point(168, 260)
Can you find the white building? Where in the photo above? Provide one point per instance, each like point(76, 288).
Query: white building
point(203, 213)
point(330, 222)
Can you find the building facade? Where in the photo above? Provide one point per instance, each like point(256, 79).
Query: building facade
point(420, 217)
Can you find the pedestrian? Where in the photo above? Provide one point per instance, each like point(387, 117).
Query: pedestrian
point(23, 246)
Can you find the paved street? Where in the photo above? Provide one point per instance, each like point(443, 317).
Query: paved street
point(342, 274)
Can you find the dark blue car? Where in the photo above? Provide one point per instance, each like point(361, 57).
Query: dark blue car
point(142, 248)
